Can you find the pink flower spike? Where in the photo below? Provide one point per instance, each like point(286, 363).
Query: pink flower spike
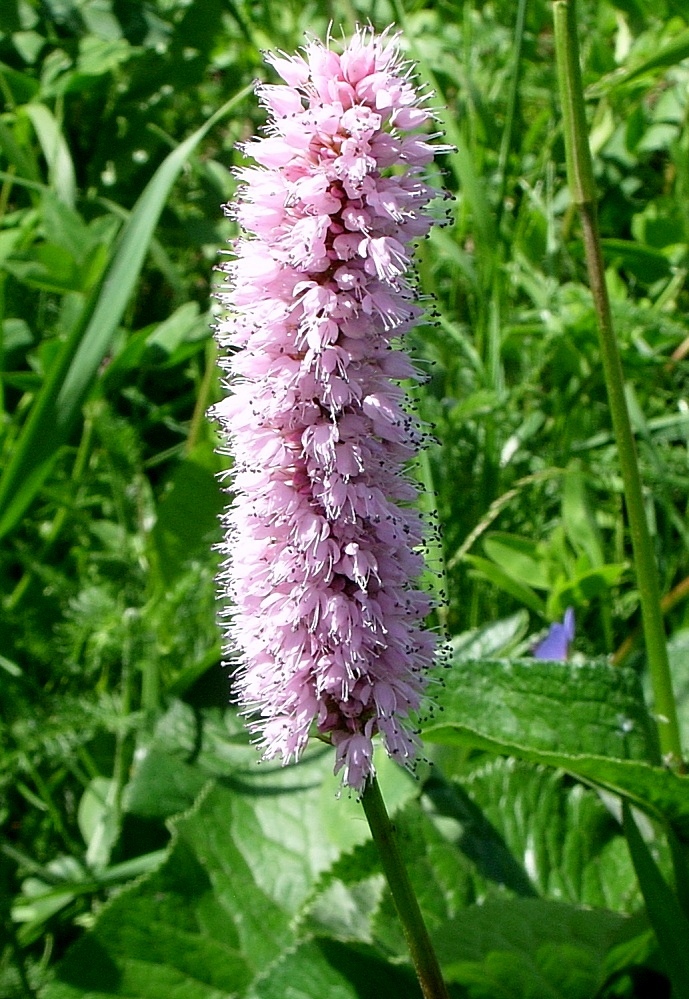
point(321, 604)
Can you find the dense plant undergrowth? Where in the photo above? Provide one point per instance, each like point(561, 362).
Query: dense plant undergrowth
point(141, 849)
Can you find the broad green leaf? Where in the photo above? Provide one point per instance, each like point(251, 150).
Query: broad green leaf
point(162, 785)
point(496, 575)
point(664, 911)
point(325, 969)
point(182, 325)
point(185, 751)
point(659, 137)
point(221, 909)
point(558, 948)
point(443, 879)
point(98, 56)
point(178, 929)
point(345, 902)
point(589, 720)
point(644, 262)
point(57, 407)
point(188, 749)
point(527, 948)
point(28, 44)
point(48, 267)
point(519, 557)
point(461, 812)
point(587, 585)
point(352, 903)
point(457, 874)
point(556, 839)
point(496, 639)
point(590, 708)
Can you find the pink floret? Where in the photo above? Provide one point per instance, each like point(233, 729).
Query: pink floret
point(321, 605)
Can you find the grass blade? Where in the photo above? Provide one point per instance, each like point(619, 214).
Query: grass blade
point(664, 912)
point(55, 150)
point(669, 54)
point(461, 160)
point(58, 403)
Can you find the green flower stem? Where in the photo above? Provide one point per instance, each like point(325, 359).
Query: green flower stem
point(415, 932)
point(583, 191)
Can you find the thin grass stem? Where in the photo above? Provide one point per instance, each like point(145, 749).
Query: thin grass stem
point(583, 192)
point(512, 104)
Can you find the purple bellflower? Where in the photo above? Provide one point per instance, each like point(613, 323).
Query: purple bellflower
point(322, 610)
point(555, 645)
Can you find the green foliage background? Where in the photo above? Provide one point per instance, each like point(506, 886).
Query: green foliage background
point(142, 852)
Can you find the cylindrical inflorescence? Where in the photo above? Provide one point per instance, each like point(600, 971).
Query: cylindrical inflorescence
point(322, 610)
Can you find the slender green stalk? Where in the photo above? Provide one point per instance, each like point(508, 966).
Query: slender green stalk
point(203, 399)
point(415, 932)
point(512, 103)
point(45, 794)
point(583, 191)
point(19, 956)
